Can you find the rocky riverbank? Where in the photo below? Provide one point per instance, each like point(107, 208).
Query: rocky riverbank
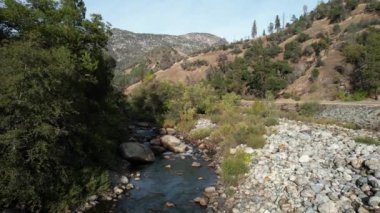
point(311, 168)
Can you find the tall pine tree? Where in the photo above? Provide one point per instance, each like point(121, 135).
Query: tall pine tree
point(254, 30)
point(277, 24)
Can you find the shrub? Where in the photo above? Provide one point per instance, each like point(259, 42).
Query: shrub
point(303, 37)
point(236, 51)
point(336, 29)
point(293, 51)
point(271, 121)
point(191, 66)
point(310, 108)
point(354, 53)
point(308, 51)
point(360, 95)
point(234, 167)
point(199, 134)
point(314, 74)
point(319, 62)
point(373, 6)
point(273, 50)
point(319, 46)
point(367, 140)
point(287, 95)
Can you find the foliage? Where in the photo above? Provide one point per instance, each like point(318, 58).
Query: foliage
point(199, 134)
point(252, 75)
point(354, 53)
point(191, 66)
point(309, 108)
point(367, 140)
point(60, 119)
point(293, 51)
point(234, 167)
point(314, 74)
point(302, 37)
point(319, 46)
point(373, 6)
point(336, 29)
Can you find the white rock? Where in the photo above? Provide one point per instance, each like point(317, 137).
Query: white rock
point(304, 159)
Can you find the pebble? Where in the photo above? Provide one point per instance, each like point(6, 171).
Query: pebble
point(311, 168)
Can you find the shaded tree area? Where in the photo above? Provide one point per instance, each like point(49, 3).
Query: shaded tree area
point(364, 53)
point(253, 75)
point(60, 119)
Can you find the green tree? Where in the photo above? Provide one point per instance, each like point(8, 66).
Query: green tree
point(270, 28)
point(277, 24)
point(59, 115)
point(293, 51)
point(371, 72)
point(254, 30)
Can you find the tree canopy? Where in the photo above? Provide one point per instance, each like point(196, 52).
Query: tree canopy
point(59, 115)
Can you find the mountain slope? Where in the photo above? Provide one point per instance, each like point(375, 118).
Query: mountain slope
point(335, 73)
point(130, 48)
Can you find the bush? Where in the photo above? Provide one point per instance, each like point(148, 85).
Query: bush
point(336, 29)
point(199, 134)
point(271, 121)
point(293, 51)
point(319, 46)
point(236, 51)
point(234, 167)
point(354, 53)
point(367, 140)
point(303, 37)
point(314, 74)
point(373, 6)
point(308, 51)
point(319, 62)
point(191, 66)
point(310, 109)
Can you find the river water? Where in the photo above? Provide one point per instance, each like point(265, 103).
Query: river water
point(158, 185)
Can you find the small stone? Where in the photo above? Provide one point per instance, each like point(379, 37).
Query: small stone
point(210, 189)
point(171, 131)
point(124, 180)
point(130, 186)
point(317, 187)
point(168, 166)
point(307, 193)
point(117, 190)
point(169, 205)
point(163, 131)
point(328, 207)
point(93, 198)
point(374, 201)
point(304, 159)
point(202, 146)
point(365, 188)
point(362, 210)
point(200, 178)
point(201, 201)
point(373, 182)
point(232, 151)
point(373, 164)
point(249, 150)
point(347, 177)
point(196, 164)
point(357, 163)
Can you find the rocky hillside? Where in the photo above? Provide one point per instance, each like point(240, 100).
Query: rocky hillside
point(316, 53)
point(130, 48)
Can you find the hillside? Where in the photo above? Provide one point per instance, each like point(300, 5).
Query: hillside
point(130, 48)
point(321, 50)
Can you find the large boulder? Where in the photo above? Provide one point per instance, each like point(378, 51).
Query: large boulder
point(173, 144)
point(136, 152)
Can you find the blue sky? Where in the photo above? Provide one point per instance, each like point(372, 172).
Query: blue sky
point(231, 19)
